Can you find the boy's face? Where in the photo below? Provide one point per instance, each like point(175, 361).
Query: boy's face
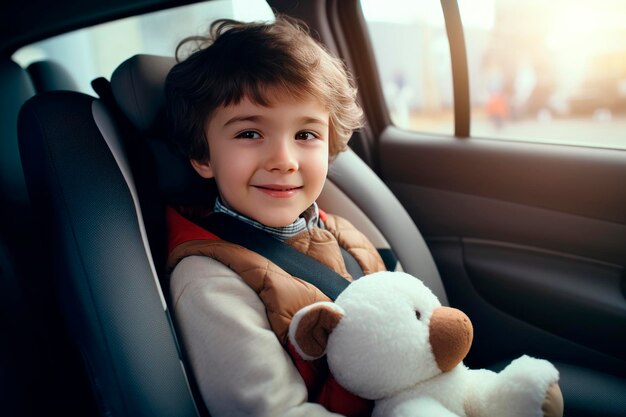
point(269, 163)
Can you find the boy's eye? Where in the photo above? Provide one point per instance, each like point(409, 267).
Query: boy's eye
point(248, 134)
point(305, 135)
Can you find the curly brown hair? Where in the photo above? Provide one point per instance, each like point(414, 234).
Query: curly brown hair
point(258, 61)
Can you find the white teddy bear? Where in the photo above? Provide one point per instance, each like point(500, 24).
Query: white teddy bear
point(387, 338)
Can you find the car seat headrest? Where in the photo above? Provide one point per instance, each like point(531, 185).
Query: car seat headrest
point(138, 88)
point(16, 88)
point(51, 76)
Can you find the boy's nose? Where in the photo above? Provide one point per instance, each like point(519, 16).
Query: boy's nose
point(282, 157)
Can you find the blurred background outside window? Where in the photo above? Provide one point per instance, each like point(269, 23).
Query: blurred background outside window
point(545, 71)
point(96, 51)
point(413, 57)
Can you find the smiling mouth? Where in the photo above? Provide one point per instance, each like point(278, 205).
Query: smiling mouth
point(278, 187)
point(279, 191)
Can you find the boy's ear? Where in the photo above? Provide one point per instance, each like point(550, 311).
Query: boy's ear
point(311, 326)
point(203, 168)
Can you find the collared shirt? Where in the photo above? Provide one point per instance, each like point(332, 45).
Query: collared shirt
point(309, 219)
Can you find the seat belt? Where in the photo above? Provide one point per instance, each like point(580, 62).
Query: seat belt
point(288, 258)
point(352, 266)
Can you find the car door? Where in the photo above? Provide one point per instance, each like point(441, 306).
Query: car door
point(520, 195)
point(529, 234)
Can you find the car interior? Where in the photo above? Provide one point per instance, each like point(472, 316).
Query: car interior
point(528, 239)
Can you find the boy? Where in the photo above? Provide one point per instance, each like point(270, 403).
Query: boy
point(261, 111)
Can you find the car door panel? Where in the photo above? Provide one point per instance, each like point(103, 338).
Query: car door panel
point(459, 214)
point(575, 298)
point(536, 233)
point(500, 336)
point(585, 181)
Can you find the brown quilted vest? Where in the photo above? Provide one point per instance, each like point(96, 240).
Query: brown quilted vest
point(283, 294)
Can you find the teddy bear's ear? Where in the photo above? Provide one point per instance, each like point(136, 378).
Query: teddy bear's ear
point(311, 326)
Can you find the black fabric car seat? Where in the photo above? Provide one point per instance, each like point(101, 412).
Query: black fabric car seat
point(84, 202)
point(15, 320)
point(35, 357)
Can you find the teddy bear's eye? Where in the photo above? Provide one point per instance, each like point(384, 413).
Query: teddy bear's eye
point(418, 315)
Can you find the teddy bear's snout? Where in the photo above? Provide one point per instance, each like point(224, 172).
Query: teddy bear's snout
point(450, 334)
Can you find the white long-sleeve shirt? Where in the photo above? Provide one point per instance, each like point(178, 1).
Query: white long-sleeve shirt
point(238, 362)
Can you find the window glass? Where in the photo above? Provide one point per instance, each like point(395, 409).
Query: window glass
point(549, 71)
point(96, 51)
point(413, 58)
point(541, 71)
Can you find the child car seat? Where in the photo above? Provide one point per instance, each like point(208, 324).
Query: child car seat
point(353, 190)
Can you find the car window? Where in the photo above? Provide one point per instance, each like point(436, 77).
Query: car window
point(415, 74)
point(539, 71)
point(96, 51)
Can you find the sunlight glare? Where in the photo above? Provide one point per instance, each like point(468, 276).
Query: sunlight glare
point(400, 11)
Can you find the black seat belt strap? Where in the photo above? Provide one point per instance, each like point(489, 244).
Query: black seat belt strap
point(352, 266)
point(288, 258)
